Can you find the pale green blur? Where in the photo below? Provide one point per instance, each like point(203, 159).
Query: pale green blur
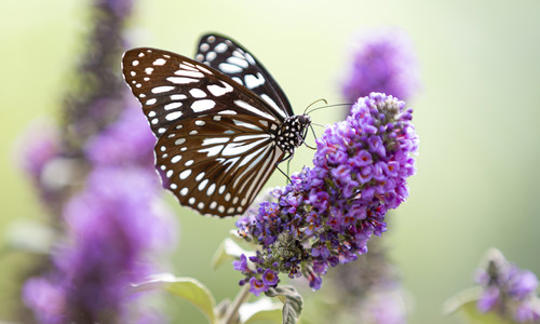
point(478, 116)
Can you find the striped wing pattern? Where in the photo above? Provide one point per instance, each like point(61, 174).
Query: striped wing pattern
point(216, 139)
point(229, 57)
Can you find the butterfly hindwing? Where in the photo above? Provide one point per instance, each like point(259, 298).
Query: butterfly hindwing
point(230, 58)
point(218, 163)
point(172, 87)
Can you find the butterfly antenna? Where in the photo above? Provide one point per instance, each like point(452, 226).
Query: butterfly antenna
point(329, 106)
point(314, 102)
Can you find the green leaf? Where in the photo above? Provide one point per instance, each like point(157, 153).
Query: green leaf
point(474, 316)
point(261, 310)
point(292, 302)
point(227, 251)
point(187, 288)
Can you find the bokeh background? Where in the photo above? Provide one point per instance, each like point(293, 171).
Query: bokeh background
point(477, 116)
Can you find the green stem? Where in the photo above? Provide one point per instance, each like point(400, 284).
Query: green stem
point(238, 301)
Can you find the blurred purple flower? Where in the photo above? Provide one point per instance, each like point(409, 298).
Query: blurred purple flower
point(39, 145)
point(507, 289)
point(383, 62)
point(120, 8)
point(346, 212)
point(128, 140)
point(383, 306)
point(113, 226)
point(46, 299)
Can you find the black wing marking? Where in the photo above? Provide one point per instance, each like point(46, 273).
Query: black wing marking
point(217, 164)
point(229, 57)
point(172, 87)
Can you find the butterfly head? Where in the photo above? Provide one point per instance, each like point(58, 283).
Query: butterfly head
point(293, 132)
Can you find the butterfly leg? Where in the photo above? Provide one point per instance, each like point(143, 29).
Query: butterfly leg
point(286, 158)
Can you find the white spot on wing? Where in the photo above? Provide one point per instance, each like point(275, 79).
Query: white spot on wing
point(186, 73)
point(210, 56)
point(250, 59)
point(214, 140)
point(162, 89)
point(197, 93)
point(204, 47)
point(203, 105)
point(221, 47)
point(173, 116)
point(212, 151)
point(238, 80)
point(181, 80)
point(159, 61)
point(229, 68)
point(246, 106)
point(238, 61)
point(211, 190)
point(254, 81)
point(184, 174)
point(272, 103)
point(172, 105)
point(178, 97)
point(203, 184)
point(247, 125)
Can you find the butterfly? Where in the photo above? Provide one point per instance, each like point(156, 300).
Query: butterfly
point(222, 123)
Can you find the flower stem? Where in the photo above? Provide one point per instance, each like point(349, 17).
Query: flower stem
point(230, 316)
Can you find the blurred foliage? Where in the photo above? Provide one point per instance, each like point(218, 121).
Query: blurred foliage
point(477, 118)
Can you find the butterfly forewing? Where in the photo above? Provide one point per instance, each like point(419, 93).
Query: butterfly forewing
point(235, 61)
point(216, 145)
point(172, 87)
point(217, 163)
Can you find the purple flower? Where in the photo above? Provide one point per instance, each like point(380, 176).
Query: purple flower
point(39, 145)
point(507, 290)
point(522, 283)
point(383, 306)
point(241, 265)
point(326, 215)
point(383, 62)
point(113, 224)
point(488, 299)
point(270, 278)
point(128, 140)
point(46, 299)
point(257, 286)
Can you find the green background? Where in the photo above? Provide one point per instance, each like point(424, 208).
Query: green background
point(478, 116)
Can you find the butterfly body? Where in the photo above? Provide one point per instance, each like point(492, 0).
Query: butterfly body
point(222, 122)
point(292, 133)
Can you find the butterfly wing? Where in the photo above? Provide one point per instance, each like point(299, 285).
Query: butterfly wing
point(229, 57)
point(216, 146)
point(172, 87)
point(218, 163)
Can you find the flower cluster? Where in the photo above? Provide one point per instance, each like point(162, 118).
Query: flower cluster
point(326, 215)
point(384, 62)
point(507, 289)
point(113, 225)
point(106, 193)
